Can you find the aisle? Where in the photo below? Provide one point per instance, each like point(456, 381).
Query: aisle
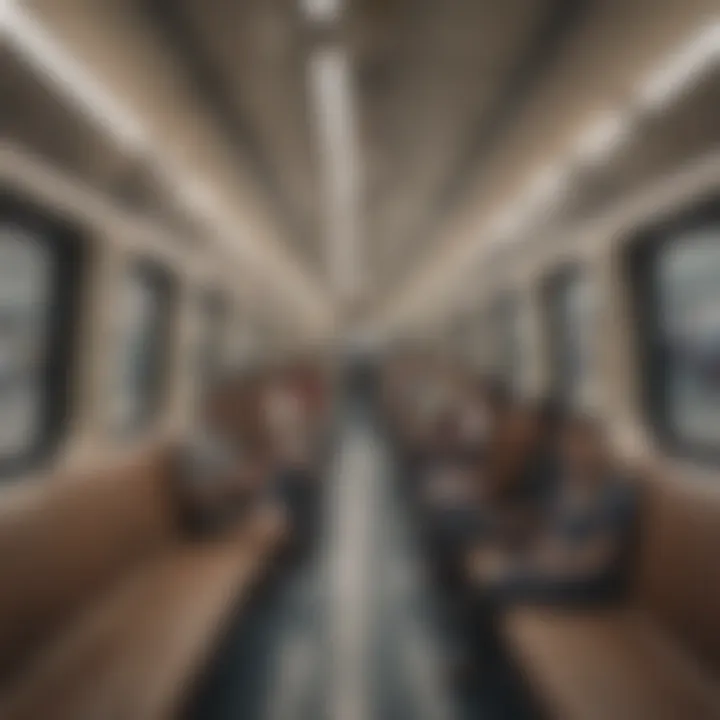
point(398, 657)
point(348, 635)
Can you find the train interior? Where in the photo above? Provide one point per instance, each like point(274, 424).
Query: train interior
point(359, 359)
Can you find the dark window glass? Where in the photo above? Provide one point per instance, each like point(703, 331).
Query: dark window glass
point(39, 282)
point(213, 319)
point(144, 323)
point(505, 321)
point(569, 316)
point(676, 278)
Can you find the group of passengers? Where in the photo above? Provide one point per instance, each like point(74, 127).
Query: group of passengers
point(520, 503)
point(258, 445)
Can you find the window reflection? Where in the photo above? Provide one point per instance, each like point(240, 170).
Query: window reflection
point(507, 339)
point(25, 280)
point(213, 320)
point(688, 278)
point(570, 308)
point(142, 339)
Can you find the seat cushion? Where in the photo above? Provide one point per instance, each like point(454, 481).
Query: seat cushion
point(608, 664)
point(677, 581)
point(135, 654)
point(64, 541)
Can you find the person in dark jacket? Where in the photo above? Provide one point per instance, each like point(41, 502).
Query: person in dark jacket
point(582, 551)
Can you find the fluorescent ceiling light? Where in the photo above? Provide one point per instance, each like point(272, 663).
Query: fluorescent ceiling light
point(687, 65)
point(334, 118)
point(506, 225)
point(51, 59)
point(602, 138)
point(697, 56)
point(196, 194)
point(5, 7)
point(32, 41)
point(321, 11)
point(546, 188)
point(39, 48)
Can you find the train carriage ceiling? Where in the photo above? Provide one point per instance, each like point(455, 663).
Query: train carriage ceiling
point(456, 102)
point(437, 81)
point(638, 76)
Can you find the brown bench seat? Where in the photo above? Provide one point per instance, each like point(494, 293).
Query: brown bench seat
point(66, 540)
point(608, 665)
point(656, 658)
point(106, 611)
point(137, 652)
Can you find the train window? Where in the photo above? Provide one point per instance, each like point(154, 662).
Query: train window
point(568, 306)
point(244, 346)
point(39, 265)
point(25, 287)
point(144, 322)
point(505, 320)
point(213, 318)
point(677, 276)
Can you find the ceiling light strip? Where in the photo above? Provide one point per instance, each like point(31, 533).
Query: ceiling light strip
point(37, 46)
point(321, 11)
point(46, 54)
point(334, 120)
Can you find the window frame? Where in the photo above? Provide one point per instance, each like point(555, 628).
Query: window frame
point(67, 246)
point(507, 304)
point(639, 262)
point(214, 307)
point(163, 279)
point(556, 283)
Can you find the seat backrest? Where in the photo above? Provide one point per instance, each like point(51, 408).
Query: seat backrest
point(235, 410)
point(678, 572)
point(66, 539)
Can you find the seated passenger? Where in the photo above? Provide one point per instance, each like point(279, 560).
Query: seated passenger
point(551, 417)
point(476, 411)
point(489, 500)
point(501, 512)
point(472, 422)
point(422, 428)
point(452, 426)
point(581, 553)
point(221, 471)
point(294, 442)
point(288, 425)
point(498, 511)
point(213, 486)
point(510, 489)
point(497, 397)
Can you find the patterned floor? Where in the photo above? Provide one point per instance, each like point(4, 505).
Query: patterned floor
point(351, 633)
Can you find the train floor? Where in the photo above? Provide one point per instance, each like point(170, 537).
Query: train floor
point(353, 631)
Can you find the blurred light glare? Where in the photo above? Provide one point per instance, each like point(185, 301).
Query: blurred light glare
point(603, 137)
point(699, 55)
point(506, 226)
point(321, 11)
point(38, 47)
point(334, 119)
point(6, 6)
point(549, 185)
point(199, 196)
